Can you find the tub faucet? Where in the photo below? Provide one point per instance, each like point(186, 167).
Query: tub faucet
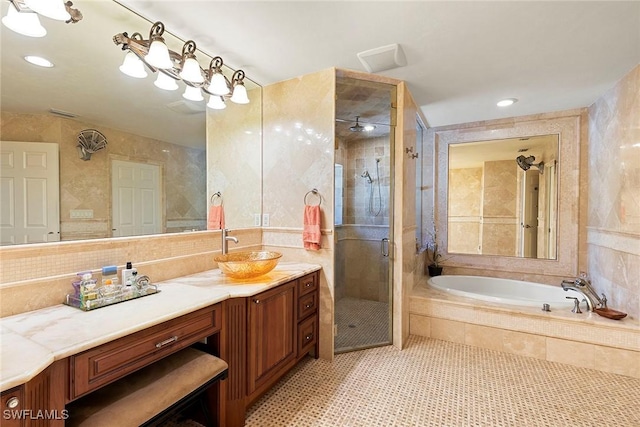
point(225, 240)
point(582, 286)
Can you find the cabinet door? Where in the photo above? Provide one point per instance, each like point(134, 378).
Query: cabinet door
point(272, 334)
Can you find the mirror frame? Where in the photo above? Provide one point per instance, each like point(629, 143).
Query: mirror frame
point(568, 129)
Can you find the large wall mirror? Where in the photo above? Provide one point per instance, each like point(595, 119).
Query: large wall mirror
point(154, 132)
point(479, 229)
point(502, 197)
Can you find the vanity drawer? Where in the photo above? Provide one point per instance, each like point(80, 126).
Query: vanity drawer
point(101, 365)
point(307, 304)
point(307, 335)
point(307, 284)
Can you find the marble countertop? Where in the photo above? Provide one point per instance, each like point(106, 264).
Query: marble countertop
point(31, 341)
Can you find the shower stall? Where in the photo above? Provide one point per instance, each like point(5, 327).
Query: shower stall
point(363, 214)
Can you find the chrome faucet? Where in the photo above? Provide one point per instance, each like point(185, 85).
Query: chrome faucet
point(225, 240)
point(582, 286)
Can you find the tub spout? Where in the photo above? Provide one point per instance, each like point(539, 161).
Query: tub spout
point(570, 285)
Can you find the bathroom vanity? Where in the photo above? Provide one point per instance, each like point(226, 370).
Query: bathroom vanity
point(261, 328)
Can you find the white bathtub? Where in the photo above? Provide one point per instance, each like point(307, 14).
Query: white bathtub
point(505, 291)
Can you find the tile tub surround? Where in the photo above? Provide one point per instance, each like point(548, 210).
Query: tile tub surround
point(33, 340)
point(40, 275)
point(586, 340)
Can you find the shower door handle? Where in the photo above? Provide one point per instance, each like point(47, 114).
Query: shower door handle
point(384, 247)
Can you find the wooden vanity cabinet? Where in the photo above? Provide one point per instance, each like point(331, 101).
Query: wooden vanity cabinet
point(109, 362)
point(272, 336)
point(263, 337)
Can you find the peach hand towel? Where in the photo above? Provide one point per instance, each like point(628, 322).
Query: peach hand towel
point(311, 236)
point(216, 218)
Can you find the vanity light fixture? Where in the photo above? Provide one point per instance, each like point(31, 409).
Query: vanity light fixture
point(507, 102)
point(172, 67)
point(22, 15)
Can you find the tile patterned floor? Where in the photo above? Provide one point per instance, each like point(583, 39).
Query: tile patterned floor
point(361, 323)
point(438, 383)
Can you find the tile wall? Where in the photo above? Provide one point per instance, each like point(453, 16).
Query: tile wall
point(298, 156)
point(613, 229)
point(40, 275)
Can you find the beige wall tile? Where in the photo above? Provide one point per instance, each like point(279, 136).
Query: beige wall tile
point(419, 325)
point(617, 361)
point(447, 330)
point(483, 336)
point(523, 344)
point(571, 353)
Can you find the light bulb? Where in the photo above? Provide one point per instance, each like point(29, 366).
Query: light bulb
point(25, 23)
point(158, 55)
point(216, 103)
point(192, 94)
point(191, 71)
point(54, 9)
point(165, 82)
point(218, 85)
point(133, 66)
point(240, 94)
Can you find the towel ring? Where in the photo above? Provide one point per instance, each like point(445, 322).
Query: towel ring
point(314, 191)
point(214, 195)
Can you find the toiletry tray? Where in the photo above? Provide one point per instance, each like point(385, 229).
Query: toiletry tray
point(112, 296)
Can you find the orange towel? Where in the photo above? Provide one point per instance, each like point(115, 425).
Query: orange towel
point(311, 236)
point(216, 218)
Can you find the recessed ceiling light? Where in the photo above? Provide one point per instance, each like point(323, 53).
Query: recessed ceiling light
point(506, 102)
point(39, 61)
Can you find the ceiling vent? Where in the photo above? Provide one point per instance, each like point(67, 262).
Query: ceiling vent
point(383, 58)
point(62, 113)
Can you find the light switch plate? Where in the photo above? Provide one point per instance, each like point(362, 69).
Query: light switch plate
point(256, 220)
point(265, 220)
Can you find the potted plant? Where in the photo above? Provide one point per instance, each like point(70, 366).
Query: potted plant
point(433, 256)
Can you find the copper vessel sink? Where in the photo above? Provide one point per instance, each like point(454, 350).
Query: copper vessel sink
point(247, 264)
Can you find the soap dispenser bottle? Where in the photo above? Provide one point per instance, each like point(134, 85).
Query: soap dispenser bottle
point(127, 274)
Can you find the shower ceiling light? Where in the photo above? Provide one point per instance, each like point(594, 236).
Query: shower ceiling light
point(172, 67)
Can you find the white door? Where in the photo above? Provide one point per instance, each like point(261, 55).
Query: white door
point(136, 198)
point(29, 192)
point(530, 214)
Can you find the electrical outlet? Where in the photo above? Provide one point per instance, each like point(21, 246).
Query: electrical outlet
point(265, 220)
point(256, 220)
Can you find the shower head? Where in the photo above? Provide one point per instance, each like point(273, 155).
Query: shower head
point(526, 162)
point(357, 127)
point(366, 176)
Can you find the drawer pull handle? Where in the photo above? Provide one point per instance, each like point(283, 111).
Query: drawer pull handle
point(308, 337)
point(13, 402)
point(257, 301)
point(167, 341)
point(307, 306)
point(308, 284)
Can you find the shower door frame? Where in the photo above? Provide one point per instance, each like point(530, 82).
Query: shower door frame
point(390, 259)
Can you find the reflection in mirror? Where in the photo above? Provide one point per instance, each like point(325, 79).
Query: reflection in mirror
point(143, 125)
point(502, 197)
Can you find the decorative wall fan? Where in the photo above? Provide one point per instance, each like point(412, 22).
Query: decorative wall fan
point(90, 141)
